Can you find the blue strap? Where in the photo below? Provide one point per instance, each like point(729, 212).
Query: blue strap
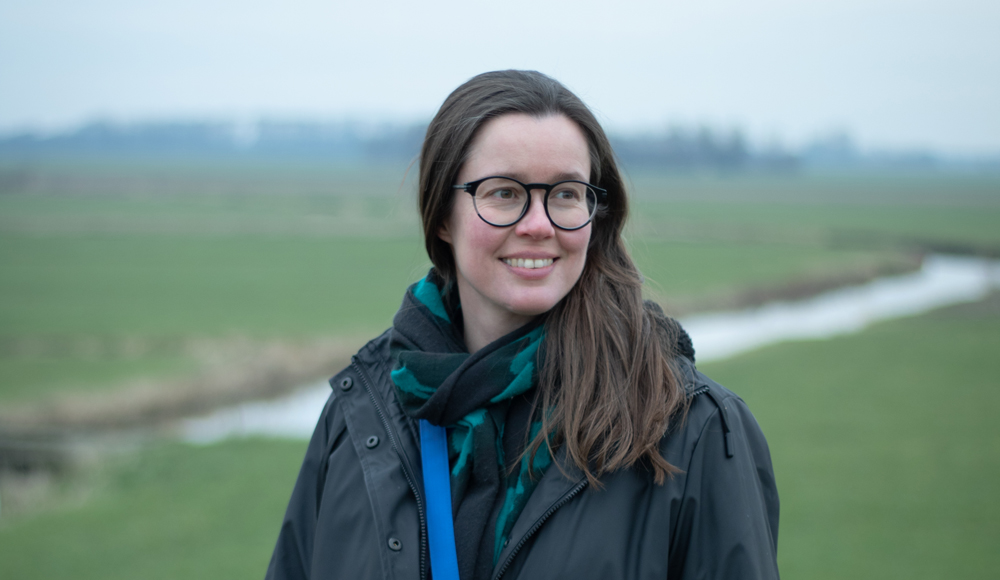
point(437, 491)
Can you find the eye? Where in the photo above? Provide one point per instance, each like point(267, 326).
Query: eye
point(566, 194)
point(499, 190)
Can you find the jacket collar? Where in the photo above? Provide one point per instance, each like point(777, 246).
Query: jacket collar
point(558, 485)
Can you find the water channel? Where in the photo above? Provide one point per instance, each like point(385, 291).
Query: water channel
point(941, 281)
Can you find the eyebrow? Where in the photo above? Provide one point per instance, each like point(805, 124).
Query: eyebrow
point(565, 176)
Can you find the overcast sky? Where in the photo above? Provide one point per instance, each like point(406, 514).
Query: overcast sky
point(893, 73)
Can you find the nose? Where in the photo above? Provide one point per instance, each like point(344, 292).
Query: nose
point(535, 222)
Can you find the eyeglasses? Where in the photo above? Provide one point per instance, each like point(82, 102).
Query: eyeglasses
point(503, 201)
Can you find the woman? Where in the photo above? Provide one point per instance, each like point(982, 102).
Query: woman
point(581, 441)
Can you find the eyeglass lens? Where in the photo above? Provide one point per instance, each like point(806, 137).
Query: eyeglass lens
point(501, 202)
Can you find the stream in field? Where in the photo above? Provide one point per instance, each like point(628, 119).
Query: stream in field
point(941, 281)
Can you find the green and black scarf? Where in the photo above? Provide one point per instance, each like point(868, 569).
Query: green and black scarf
point(484, 400)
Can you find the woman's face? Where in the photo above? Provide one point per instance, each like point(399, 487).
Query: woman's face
point(497, 294)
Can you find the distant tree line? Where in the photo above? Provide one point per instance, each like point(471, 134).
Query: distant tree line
point(349, 142)
point(676, 148)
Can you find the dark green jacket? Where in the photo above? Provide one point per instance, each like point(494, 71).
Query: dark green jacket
point(357, 510)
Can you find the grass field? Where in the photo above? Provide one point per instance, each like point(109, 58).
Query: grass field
point(846, 210)
point(172, 511)
point(884, 447)
point(158, 285)
point(278, 251)
point(61, 293)
point(110, 272)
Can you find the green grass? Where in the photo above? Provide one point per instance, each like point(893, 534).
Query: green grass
point(378, 214)
point(33, 377)
point(858, 210)
point(113, 288)
point(862, 188)
point(175, 511)
point(885, 445)
point(204, 261)
point(852, 225)
point(885, 449)
point(157, 286)
point(679, 270)
point(160, 285)
point(174, 249)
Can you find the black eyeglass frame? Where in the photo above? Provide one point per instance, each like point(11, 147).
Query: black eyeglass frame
point(472, 186)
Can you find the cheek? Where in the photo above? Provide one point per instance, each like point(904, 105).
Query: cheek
point(577, 242)
point(576, 245)
point(476, 240)
point(485, 239)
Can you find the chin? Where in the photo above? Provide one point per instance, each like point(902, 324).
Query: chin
point(534, 305)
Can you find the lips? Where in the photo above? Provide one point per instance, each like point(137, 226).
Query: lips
point(528, 262)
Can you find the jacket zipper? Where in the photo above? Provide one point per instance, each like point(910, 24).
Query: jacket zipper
point(406, 472)
point(517, 548)
point(565, 499)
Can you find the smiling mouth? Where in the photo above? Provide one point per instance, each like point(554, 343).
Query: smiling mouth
point(527, 263)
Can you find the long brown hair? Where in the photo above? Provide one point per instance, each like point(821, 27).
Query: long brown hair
point(607, 381)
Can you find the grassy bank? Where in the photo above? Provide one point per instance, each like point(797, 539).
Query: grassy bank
point(172, 511)
point(885, 446)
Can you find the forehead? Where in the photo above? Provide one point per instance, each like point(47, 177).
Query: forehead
point(528, 148)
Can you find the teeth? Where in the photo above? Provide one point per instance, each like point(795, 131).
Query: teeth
point(528, 263)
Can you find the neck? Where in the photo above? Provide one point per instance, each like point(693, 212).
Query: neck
point(483, 321)
point(482, 330)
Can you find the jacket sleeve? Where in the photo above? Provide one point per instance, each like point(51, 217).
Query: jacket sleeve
point(292, 555)
point(728, 522)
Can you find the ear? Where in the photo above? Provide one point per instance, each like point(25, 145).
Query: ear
point(444, 234)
